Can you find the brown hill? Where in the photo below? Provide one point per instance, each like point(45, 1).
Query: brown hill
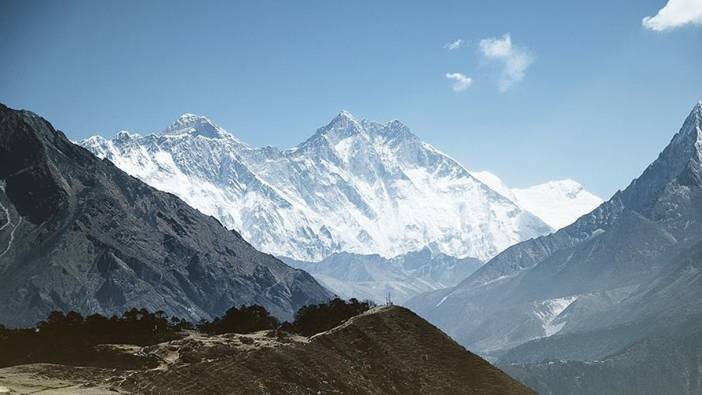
point(388, 350)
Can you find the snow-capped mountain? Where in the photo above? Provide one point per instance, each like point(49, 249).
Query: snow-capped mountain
point(558, 203)
point(355, 186)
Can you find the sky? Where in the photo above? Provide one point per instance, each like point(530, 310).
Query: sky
point(531, 91)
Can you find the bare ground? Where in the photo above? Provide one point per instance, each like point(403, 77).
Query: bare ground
point(388, 350)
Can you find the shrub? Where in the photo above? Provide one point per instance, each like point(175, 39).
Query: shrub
point(70, 338)
point(245, 319)
point(313, 319)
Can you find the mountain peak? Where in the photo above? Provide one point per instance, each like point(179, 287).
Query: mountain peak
point(690, 133)
point(344, 120)
point(196, 125)
point(697, 112)
point(397, 130)
point(566, 184)
point(346, 125)
point(125, 135)
point(675, 161)
point(396, 124)
point(342, 126)
point(346, 114)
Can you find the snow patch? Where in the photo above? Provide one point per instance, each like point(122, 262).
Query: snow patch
point(548, 312)
point(442, 300)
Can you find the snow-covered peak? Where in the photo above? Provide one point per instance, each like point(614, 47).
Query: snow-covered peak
point(195, 125)
point(343, 114)
point(567, 187)
point(679, 162)
point(397, 131)
point(693, 122)
point(346, 125)
point(558, 203)
point(495, 183)
point(126, 135)
point(343, 125)
point(697, 123)
point(92, 141)
point(687, 143)
point(395, 127)
point(344, 121)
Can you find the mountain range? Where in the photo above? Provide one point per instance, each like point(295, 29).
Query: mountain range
point(606, 288)
point(616, 293)
point(355, 186)
point(77, 233)
point(375, 278)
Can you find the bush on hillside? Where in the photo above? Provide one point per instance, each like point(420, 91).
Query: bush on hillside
point(245, 319)
point(313, 319)
point(70, 338)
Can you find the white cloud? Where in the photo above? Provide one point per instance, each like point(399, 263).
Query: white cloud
point(674, 14)
point(461, 82)
point(515, 60)
point(454, 45)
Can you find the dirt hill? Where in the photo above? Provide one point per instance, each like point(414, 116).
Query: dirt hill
point(388, 350)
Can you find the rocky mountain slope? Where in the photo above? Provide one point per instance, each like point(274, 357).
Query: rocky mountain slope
point(626, 271)
point(78, 233)
point(652, 366)
point(388, 350)
point(355, 186)
point(372, 277)
point(558, 203)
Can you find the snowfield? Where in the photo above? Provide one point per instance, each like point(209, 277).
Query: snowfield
point(558, 203)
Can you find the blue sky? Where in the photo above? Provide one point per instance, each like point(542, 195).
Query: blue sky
point(585, 90)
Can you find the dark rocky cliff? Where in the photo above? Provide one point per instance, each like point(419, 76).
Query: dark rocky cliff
point(77, 233)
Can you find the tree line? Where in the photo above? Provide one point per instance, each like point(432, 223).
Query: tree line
point(70, 338)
